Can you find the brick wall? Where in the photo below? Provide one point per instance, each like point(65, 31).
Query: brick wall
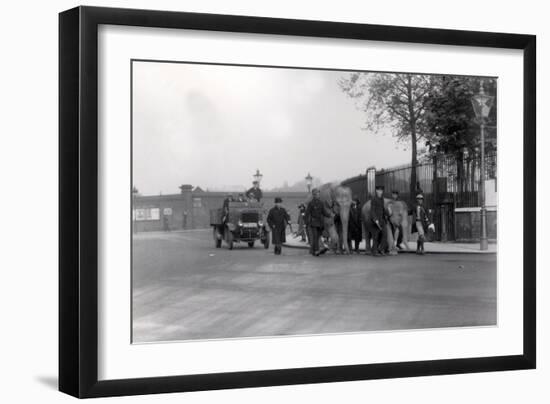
point(191, 210)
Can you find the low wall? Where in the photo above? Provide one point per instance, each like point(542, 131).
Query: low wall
point(191, 210)
point(468, 224)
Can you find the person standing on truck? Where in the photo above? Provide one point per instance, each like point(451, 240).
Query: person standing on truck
point(255, 193)
point(277, 219)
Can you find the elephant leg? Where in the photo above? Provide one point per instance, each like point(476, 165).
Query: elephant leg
point(338, 227)
point(406, 232)
point(390, 239)
point(396, 237)
point(334, 239)
point(367, 231)
point(344, 220)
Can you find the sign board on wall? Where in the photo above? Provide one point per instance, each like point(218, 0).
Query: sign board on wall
point(143, 214)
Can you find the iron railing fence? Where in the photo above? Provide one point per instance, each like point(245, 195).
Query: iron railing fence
point(443, 178)
point(446, 181)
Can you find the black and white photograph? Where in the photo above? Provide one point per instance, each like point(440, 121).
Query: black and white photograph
point(211, 201)
point(273, 201)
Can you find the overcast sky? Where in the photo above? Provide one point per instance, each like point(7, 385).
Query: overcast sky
point(212, 126)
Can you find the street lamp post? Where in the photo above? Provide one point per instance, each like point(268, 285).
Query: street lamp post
point(258, 176)
point(309, 182)
point(482, 104)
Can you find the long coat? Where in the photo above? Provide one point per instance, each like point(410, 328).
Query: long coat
point(277, 219)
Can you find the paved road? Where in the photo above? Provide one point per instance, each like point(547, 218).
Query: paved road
point(184, 288)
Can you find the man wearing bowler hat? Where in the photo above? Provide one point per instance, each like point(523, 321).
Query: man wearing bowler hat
point(277, 219)
point(378, 217)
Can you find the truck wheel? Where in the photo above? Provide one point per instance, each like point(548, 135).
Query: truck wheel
point(251, 244)
point(229, 240)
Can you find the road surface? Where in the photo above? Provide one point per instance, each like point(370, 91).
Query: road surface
point(184, 288)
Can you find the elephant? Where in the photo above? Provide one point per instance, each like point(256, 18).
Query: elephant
point(399, 216)
point(337, 198)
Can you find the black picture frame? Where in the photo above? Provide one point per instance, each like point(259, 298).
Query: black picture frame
point(78, 201)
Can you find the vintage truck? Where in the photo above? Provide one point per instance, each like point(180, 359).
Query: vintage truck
point(242, 221)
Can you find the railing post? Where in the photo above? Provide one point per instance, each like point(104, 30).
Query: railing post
point(483, 245)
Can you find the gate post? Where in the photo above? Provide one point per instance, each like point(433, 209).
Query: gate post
point(371, 178)
point(444, 216)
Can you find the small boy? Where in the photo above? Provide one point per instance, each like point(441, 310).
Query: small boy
point(421, 223)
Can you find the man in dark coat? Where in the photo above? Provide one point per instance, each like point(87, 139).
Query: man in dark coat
point(355, 227)
point(315, 215)
point(378, 217)
point(255, 193)
point(277, 219)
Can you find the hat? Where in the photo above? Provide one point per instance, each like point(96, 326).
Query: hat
point(419, 196)
point(314, 190)
point(379, 187)
point(278, 200)
point(255, 182)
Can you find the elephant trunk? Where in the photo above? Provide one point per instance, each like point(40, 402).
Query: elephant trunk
point(406, 229)
point(344, 218)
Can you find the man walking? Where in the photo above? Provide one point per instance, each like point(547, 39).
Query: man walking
point(378, 217)
point(277, 219)
point(315, 214)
